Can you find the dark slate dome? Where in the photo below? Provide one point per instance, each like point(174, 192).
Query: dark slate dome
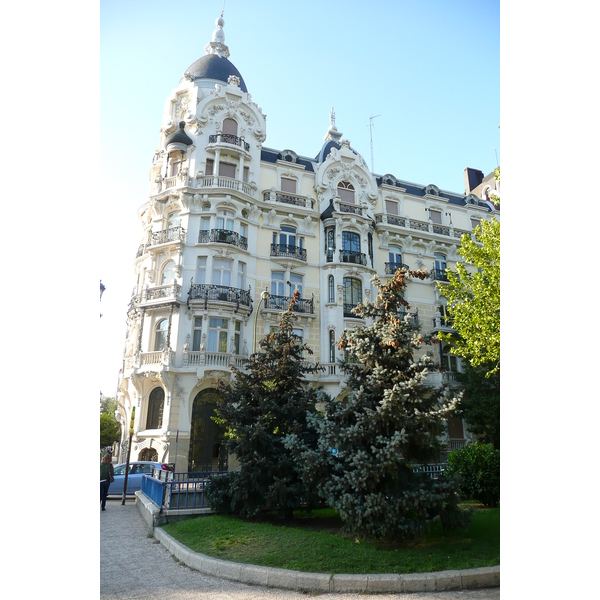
point(179, 136)
point(212, 66)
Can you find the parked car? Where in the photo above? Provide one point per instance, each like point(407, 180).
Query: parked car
point(137, 469)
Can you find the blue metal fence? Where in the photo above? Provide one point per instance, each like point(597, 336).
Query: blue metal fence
point(178, 490)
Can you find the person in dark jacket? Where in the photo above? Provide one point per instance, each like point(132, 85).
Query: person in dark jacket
point(106, 471)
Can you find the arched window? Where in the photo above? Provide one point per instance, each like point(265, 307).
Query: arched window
point(230, 127)
point(331, 346)
point(440, 267)
point(155, 408)
point(346, 192)
point(225, 219)
point(149, 454)
point(168, 274)
point(160, 335)
point(331, 288)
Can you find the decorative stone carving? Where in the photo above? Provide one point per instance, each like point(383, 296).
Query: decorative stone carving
point(233, 80)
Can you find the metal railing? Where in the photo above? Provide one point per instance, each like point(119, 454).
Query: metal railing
point(229, 138)
point(392, 267)
point(289, 251)
point(223, 236)
point(288, 198)
point(348, 308)
point(219, 293)
point(173, 234)
point(179, 490)
point(302, 305)
point(354, 257)
point(350, 208)
point(439, 275)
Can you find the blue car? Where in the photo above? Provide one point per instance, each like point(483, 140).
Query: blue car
point(137, 470)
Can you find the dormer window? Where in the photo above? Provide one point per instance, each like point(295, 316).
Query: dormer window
point(346, 192)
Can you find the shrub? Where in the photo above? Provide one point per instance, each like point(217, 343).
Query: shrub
point(478, 467)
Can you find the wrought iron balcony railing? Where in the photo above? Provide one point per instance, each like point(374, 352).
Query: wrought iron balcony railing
point(392, 267)
point(354, 257)
point(288, 198)
point(348, 308)
point(174, 234)
point(303, 305)
point(219, 293)
point(223, 236)
point(229, 138)
point(350, 208)
point(288, 251)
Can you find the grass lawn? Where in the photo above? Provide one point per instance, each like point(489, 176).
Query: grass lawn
point(314, 542)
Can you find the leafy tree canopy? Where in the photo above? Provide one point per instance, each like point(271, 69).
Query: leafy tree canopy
point(110, 430)
point(473, 294)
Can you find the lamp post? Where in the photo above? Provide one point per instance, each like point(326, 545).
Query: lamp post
point(264, 295)
point(128, 455)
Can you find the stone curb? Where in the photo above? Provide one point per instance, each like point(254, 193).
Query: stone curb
point(466, 579)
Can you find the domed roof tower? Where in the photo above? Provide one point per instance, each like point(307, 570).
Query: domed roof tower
point(214, 66)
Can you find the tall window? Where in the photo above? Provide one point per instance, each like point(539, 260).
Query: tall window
point(241, 275)
point(155, 408)
point(288, 185)
point(175, 168)
point(395, 257)
point(346, 192)
point(225, 219)
point(449, 361)
point(331, 289)
point(217, 334)
point(350, 241)
point(296, 281)
point(287, 238)
point(435, 216)
point(160, 335)
point(221, 271)
point(201, 270)
point(168, 273)
point(475, 223)
point(440, 263)
point(174, 220)
point(205, 224)
point(331, 346)
point(230, 126)
point(352, 291)
point(277, 283)
point(226, 170)
point(197, 334)
point(237, 337)
point(391, 207)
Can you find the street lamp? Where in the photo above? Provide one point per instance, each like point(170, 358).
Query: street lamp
point(264, 295)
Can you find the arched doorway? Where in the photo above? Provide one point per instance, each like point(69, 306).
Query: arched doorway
point(207, 452)
point(149, 454)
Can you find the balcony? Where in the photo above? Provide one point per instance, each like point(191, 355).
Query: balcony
point(353, 257)
point(223, 236)
point(202, 358)
point(287, 198)
point(442, 324)
point(218, 181)
point(348, 308)
point(166, 236)
point(229, 138)
point(219, 293)
point(288, 251)
point(406, 222)
point(281, 303)
point(350, 208)
point(392, 267)
point(148, 296)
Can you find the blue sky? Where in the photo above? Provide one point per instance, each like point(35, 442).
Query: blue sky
point(430, 69)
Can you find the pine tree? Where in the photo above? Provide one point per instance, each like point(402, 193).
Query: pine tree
point(389, 422)
point(269, 399)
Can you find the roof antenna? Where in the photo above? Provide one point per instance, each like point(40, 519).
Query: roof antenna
point(371, 134)
point(223, 8)
point(331, 117)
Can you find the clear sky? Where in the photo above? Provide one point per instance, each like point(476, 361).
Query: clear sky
point(429, 69)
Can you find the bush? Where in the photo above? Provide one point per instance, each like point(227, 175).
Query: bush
point(478, 467)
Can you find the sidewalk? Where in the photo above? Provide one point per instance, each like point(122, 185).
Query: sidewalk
point(136, 566)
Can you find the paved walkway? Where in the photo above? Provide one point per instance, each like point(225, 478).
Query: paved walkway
point(134, 566)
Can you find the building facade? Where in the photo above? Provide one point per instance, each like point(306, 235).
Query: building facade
point(232, 228)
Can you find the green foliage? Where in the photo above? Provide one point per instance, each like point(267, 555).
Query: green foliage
point(473, 296)
point(480, 405)
point(108, 405)
point(478, 466)
point(389, 421)
point(110, 430)
point(268, 400)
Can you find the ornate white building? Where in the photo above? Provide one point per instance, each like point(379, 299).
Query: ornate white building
point(232, 227)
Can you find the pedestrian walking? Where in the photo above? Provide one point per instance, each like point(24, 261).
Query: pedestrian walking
point(107, 473)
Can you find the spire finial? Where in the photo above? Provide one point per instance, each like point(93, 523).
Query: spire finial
point(217, 45)
point(332, 117)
